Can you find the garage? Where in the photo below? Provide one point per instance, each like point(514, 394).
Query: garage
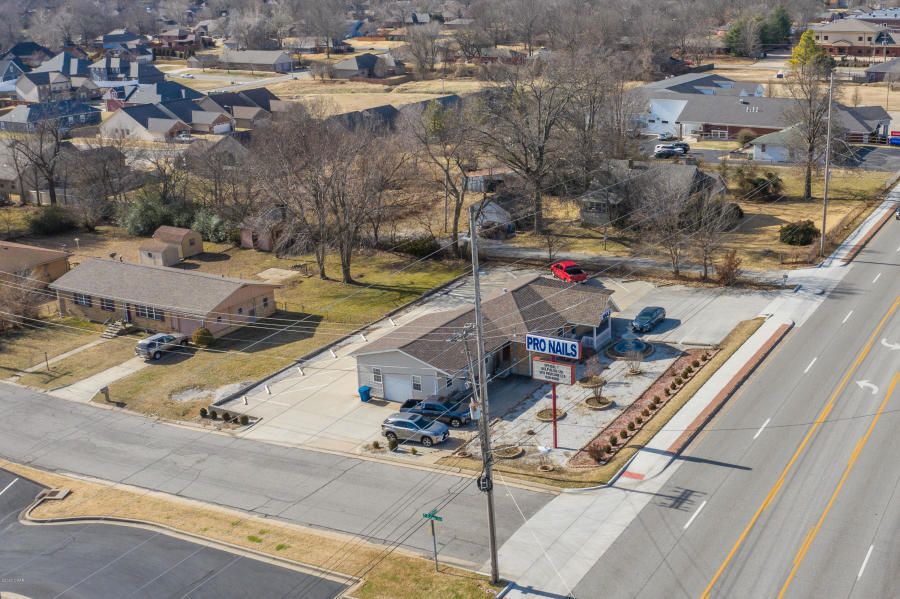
point(397, 388)
point(222, 128)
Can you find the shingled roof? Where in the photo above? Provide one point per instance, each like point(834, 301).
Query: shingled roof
point(15, 257)
point(527, 305)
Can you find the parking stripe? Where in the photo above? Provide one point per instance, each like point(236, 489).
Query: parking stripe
point(9, 485)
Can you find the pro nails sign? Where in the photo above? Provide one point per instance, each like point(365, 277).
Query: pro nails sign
point(554, 346)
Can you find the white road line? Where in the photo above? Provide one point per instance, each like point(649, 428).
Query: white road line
point(694, 516)
point(865, 561)
point(761, 428)
point(898, 249)
point(847, 317)
point(9, 485)
point(876, 277)
point(810, 364)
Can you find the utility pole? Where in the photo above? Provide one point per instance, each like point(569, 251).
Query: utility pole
point(486, 483)
point(827, 166)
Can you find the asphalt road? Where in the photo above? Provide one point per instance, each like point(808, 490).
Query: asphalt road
point(102, 560)
point(377, 501)
point(768, 503)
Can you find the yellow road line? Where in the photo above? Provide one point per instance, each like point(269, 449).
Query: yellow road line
point(862, 442)
point(825, 411)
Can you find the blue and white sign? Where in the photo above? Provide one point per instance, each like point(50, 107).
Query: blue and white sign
point(554, 346)
point(605, 315)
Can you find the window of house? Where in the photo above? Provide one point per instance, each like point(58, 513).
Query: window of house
point(449, 382)
point(81, 299)
point(825, 37)
point(107, 304)
point(149, 313)
point(416, 383)
point(376, 375)
point(665, 122)
point(869, 39)
point(240, 311)
point(762, 148)
point(191, 241)
point(149, 254)
point(859, 39)
point(652, 120)
point(265, 302)
point(218, 319)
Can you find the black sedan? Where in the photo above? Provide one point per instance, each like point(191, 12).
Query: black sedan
point(648, 318)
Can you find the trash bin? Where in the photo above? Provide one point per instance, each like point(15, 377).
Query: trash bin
point(365, 393)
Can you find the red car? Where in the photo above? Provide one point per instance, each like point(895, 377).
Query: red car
point(569, 272)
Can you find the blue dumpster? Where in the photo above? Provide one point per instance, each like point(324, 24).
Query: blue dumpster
point(365, 393)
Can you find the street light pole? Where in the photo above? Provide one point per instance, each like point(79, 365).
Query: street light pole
point(827, 166)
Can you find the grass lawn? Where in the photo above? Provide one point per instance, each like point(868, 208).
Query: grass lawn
point(178, 387)
point(200, 84)
point(714, 145)
point(84, 364)
point(24, 348)
point(386, 575)
point(586, 477)
point(14, 221)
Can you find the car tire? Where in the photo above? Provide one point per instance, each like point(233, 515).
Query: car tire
point(455, 422)
point(427, 442)
point(389, 435)
point(156, 355)
point(184, 342)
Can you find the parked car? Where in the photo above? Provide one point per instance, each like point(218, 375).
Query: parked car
point(569, 272)
point(683, 146)
point(153, 346)
point(184, 138)
point(666, 137)
point(414, 427)
point(188, 76)
point(678, 147)
point(449, 412)
point(648, 318)
point(665, 153)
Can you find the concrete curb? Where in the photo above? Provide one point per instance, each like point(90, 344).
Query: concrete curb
point(858, 246)
point(722, 397)
point(336, 342)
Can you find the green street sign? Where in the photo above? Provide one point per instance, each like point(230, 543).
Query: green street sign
point(432, 515)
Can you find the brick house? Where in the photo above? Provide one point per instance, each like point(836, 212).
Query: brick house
point(162, 299)
point(855, 37)
point(18, 260)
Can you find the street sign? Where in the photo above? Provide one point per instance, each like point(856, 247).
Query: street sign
point(605, 315)
point(895, 133)
point(552, 372)
point(432, 515)
point(554, 346)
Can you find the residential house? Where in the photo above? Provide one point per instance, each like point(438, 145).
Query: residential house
point(154, 93)
point(163, 121)
point(855, 37)
point(250, 108)
point(11, 69)
point(29, 54)
point(200, 120)
point(884, 71)
point(65, 63)
point(229, 151)
point(202, 61)
point(162, 299)
point(179, 39)
point(69, 114)
point(111, 68)
point(31, 263)
point(780, 146)
point(118, 37)
point(256, 60)
point(43, 87)
point(318, 45)
point(487, 180)
point(368, 65)
point(187, 242)
point(417, 18)
point(136, 52)
point(158, 253)
point(625, 181)
point(422, 359)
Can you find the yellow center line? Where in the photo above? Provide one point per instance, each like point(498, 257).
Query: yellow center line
point(862, 442)
point(825, 411)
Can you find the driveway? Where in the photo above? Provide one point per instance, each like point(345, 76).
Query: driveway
point(104, 560)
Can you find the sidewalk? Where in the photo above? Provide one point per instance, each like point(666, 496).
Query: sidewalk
point(54, 359)
point(555, 549)
point(85, 389)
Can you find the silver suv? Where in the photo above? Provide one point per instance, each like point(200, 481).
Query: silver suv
point(414, 427)
point(153, 346)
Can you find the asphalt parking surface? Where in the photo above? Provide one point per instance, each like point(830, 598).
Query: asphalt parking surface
point(103, 560)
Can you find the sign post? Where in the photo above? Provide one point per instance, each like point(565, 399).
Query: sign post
point(552, 371)
point(431, 517)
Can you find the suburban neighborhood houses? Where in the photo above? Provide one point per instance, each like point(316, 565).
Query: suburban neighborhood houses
point(503, 298)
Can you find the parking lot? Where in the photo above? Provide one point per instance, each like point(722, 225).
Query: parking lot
point(103, 560)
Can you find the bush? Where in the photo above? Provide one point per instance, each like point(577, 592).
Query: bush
point(705, 357)
point(685, 373)
point(213, 415)
point(623, 433)
point(607, 448)
point(376, 444)
point(420, 247)
point(631, 425)
point(639, 420)
point(203, 413)
point(745, 136)
point(801, 232)
point(668, 393)
point(413, 451)
point(226, 416)
point(245, 420)
point(696, 363)
point(213, 227)
point(728, 269)
point(613, 441)
point(645, 412)
point(146, 214)
point(393, 443)
point(50, 220)
point(596, 452)
point(678, 381)
point(673, 386)
point(202, 337)
point(655, 399)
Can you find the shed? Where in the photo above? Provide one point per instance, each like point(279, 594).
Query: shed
point(188, 242)
point(159, 253)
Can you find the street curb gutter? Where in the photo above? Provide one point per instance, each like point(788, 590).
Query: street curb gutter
point(736, 381)
point(858, 247)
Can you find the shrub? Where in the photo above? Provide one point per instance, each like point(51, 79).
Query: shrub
point(244, 420)
point(745, 136)
point(213, 415)
point(226, 416)
point(728, 268)
point(596, 452)
point(50, 220)
point(202, 337)
point(413, 451)
point(213, 227)
point(705, 357)
point(695, 364)
point(203, 413)
point(655, 399)
point(674, 385)
point(607, 448)
point(623, 433)
point(645, 412)
point(631, 425)
point(678, 381)
point(421, 247)
point(685, 373)
point(376, 444)
point(613, 441)
point(668, 393)
point(801, 232)
point(149, 212)
point(393, 443)
point(639, 420)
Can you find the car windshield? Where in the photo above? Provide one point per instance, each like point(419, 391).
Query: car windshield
point(574, 270)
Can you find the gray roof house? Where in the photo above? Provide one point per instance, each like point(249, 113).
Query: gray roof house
point(368, 65)
point(66, 64)
point(30, 54)
point(70, 114)
point(10, 68)
point(256, 60)
point(419, 360)
point(163, 91)
point(160, 298)
point(164, 120)
point(111, 68)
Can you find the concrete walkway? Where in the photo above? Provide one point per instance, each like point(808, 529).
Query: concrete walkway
point(55, 359)
point(85, 389)
point(556, 548)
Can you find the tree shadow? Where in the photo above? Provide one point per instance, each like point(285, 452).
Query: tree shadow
point(210, 257)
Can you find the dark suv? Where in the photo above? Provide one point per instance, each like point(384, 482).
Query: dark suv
point(648, 318)
point(453, 413)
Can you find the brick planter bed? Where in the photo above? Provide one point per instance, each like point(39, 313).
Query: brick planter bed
point(583, 458)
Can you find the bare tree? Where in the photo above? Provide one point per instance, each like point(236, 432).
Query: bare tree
point(423, 46)
point(471, 42)
point(20, 302)
point(324, 19)
point(98, 174)
point(39, 152)
point(663, 225)
point(707, 218)
point(521, 125)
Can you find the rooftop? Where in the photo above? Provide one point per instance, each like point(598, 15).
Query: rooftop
point(18, 256)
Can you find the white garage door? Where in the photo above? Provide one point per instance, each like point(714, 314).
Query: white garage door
point(223, 128)
point(397, 388)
